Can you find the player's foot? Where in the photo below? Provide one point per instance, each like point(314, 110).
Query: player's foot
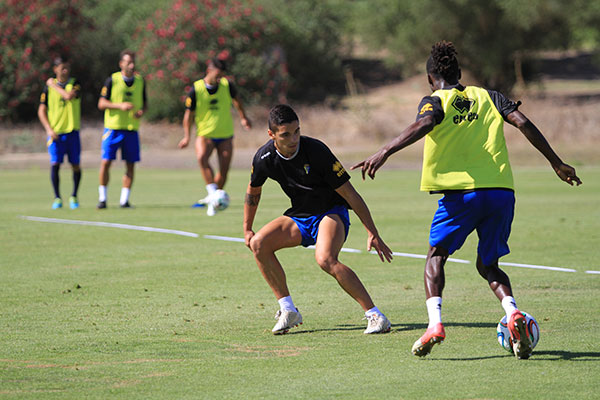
point(433, 335)
point(378, 323)
point(73, 202)
point(519, 335)
point(201, 203)
point(286, 320)
point(126, 205)
point(211, 209)
point(101, 205)
point(57, 203)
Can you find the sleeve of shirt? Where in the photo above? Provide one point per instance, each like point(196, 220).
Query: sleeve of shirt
point(105, 92)
point(44, 96)
point(431, 105)
point(232, 90)
point(190, 100)
point(77, 88)
point(331, 168)
point(258, 174)
point(504, 105)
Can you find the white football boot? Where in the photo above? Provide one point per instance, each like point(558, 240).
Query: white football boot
point(378, 323)
point(286, 320)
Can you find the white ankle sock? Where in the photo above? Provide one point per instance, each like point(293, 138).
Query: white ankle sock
point(372, 311)
point(102, 193)
point(286, 303)
point(434, 310)
point(211, 188)
point(124, 195)
point(509, 304)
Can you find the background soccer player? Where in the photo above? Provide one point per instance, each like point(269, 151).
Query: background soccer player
point(465, 159)
point(60, 114)
point(319, 189)
point(123, 100)
point(209, 101)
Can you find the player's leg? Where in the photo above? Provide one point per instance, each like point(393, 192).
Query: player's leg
point(74, 154)
point(493, 232)
point(330, 239)
point(225, 154)
point(130, 152)
point(127, 182)
point(280, 233)
point(56, 152)
point(204, 149)
point(111, 141)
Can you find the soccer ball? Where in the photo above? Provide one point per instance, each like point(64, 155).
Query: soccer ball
point(220, 199)
point(504, 334)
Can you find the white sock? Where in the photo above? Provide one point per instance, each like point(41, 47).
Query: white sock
point(102, 193)
point(211, 188)
point(286, 303)
point(372, 311)
point(124, 195)
point(434, 309)
point(509, 305)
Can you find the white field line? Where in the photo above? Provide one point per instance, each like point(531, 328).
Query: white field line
point(110, 225)
point(241, 240)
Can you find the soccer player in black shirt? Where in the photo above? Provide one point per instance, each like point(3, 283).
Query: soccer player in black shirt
point(319, 189)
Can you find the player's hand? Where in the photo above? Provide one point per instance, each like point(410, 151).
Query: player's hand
point(53, 135)
point(248, 235)
point(246, 123)
point(125, 106)
point(567, 174)
point(50, 82)
point(183, 142)
point(138, 114)
point(371, 164)
point(382, 250)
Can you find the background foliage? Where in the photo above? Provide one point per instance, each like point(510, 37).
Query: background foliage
point(277, 49)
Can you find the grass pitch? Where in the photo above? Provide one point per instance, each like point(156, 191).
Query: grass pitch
point(95, 312)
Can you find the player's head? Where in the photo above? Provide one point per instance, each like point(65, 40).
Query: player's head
point(61, 68)
point(215, 68)
point(443, 64)
point(127, 62)
point(284, 129)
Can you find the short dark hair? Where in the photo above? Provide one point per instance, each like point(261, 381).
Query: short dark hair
point(281, 114)
point(218, 63)
point(127, 52)
point(60, 60)
point(443, 62)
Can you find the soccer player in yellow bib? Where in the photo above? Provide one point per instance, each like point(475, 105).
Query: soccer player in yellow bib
point(123, 100)
point(60, 114)
point(465, 159)
point(208, 104)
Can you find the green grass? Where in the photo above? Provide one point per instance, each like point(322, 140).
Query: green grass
point(93, 312)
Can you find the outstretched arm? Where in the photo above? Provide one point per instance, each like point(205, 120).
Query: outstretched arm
point(359, 206)
point(250, 206)
point(408, 136)
point(535, 137)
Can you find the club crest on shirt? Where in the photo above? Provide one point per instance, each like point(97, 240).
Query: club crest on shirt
point(307, 168)
point(338, 168)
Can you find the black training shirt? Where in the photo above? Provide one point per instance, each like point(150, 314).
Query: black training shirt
point(309, 178)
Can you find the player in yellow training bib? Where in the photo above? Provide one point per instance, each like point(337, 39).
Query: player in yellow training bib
point(465, 159)
point(208, 104)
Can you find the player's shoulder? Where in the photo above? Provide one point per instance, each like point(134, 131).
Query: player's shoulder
point(265, 152)
point(312, 142)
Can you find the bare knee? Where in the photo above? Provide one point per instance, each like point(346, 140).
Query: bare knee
point(259, 246)
point(327, 263)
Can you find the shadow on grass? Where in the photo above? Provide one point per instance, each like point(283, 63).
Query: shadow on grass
point(566, 355)
point(396, 327)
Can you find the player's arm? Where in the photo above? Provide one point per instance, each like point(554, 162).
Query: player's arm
point(188, 118)
point(63, 93)
point(250, 206)
point(43, 117)
point(245, 121)
point(535, 137)
point(104, 102)
point(359, 206)
point(408, 136)
point(139, 113)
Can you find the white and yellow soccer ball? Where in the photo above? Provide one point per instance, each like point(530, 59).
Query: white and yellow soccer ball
point(220, 199)
point(504, 334)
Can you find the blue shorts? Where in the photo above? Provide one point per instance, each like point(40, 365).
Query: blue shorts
point(67, 143)
point(309, 226)
point(489, 211)
point(216, 142)
point(127, 141)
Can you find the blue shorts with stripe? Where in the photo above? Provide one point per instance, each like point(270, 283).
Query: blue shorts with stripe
point(67, 143)
point(309, 226)
point(127, 141)
point(488, 211)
